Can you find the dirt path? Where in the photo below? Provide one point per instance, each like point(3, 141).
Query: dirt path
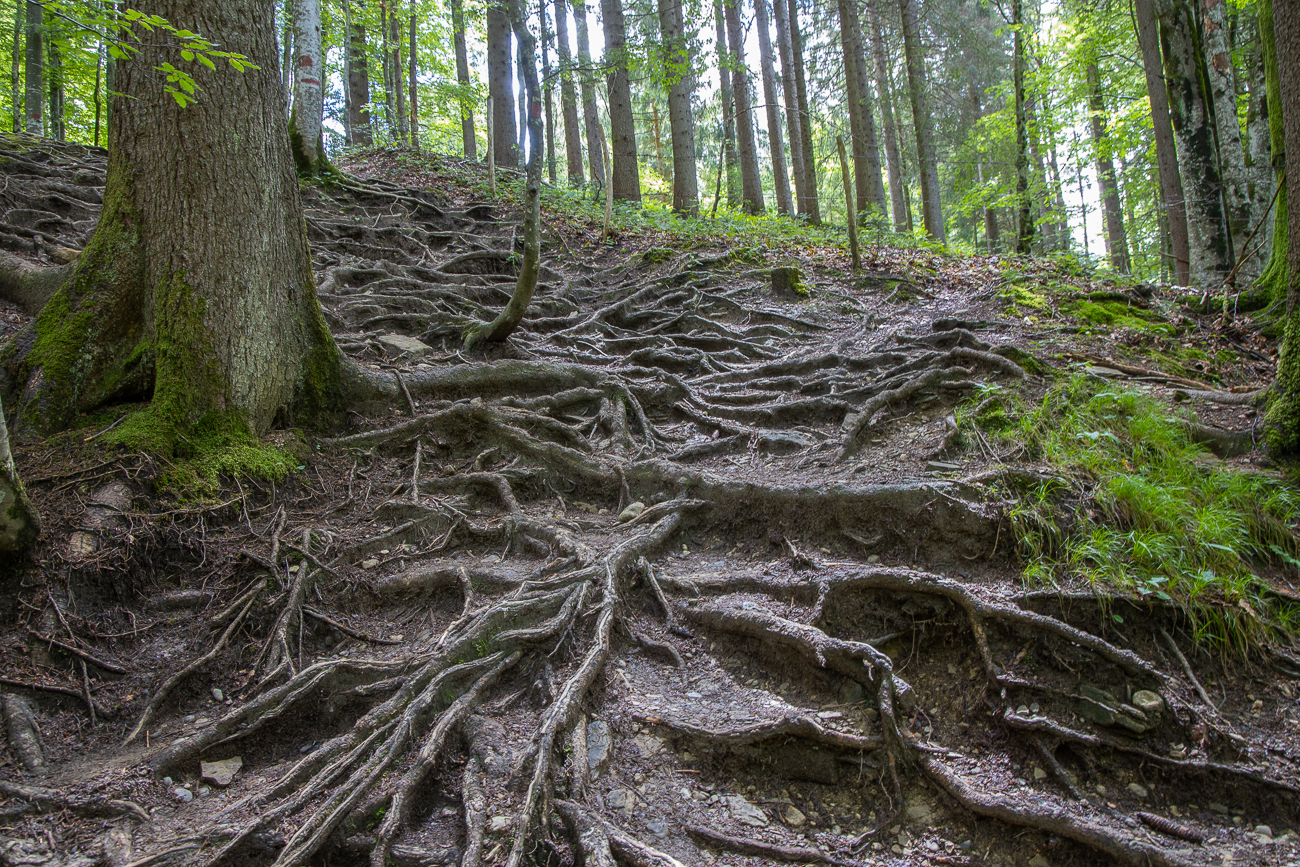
point(689, 573)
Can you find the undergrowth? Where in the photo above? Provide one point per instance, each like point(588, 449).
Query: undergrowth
point(1143, 510)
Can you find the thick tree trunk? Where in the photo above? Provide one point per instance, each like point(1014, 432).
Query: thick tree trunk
point(884, 89)
point(622, 126)
point(1024, 202)
point(34, 98)
point(730, 161)
point(590, 115)
point(751, 184)
point(681, 85)
point(19, 525)
point(568, 96)
point(412, 63)
point(501, 92)
point(1116, 240)
point(469, 141)
point(1223, 97)
point(15, 70)
point(305, 121)
point(866, 149)
point(197, 283)
point(810, 207)
point(1284, 414)
point(358, 87)
point(1275, 280)
point(1259, 169)
point(928, 161)
point(1193, 120)
point(1171, 183)
point(780, 13)
point(775, 141)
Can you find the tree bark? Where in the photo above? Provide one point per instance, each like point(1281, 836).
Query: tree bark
point(590, 116)
point(866, 149)
point(358, 85)
point(809, 208)
point(775, 141)
point(1284, 414)
point(927, 160)
point(501, 93)
point(884, 88)
point(731, 163)
point(469, 141)
point(1223, 99)
point(399, 92)
point(681, 85)
point(54, 60)
point(548, 90)
point(568, 97)
point(1024, 202)
point(1259, 170)
point(751, 184)
point(1276, 277)
point(305, 121)
point(622, 126)
point(1116, 240)
point(19, 524)
point(197, 283)
point(15, 70)
point(34, 98)
point(780, 13)
point(413, 78)
point(1171, 183)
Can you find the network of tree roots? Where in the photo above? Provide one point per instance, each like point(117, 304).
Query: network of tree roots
point(672, 578)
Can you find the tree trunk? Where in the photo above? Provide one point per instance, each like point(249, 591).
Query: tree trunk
point(884, 88)
point(809, 208)
point(469, 141)
point(1171, 183)
point(681, 86)
point(622, 127)
point(412, 77)
point(780, 13)
point(590, 116)
point(730, 160)
point(501, 92)
point(775, 141)
point(1275, 280)
point(15, 70)
point(19, 525)
point(386, 55)
point(548, 91)
point(992, 240)
point(751, 184)
point(305, 121)
point(568, 97)
point(197, 283)
point(928, 162)
point(1259, 169)
point(1116, 241)
point(399, 92)
point(34, 98)
point(54, 59)
point(1223, 99)
point(358, 86)
point(1024, 202)
point(866, 150)
point(1193, 119)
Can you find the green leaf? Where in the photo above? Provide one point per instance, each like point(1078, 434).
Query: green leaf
point(187, 56)
point(206, 61)
point(181, 99)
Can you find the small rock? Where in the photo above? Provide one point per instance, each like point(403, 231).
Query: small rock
point(622, 800)
point(1040, 774)
point(405, 345)
point(182, 794)
point(1257, 706)
point(648, 744)
point(1138, 790)
point(852, 693)
point(1148, 702)
point(746, 813)
point(204, 791)
point(499, 824)
point(657, 828)
point(829, 714)
point(222, 772)
point(1101, 790)
point(1264, 831)
point(1039, 860)
point(597, 746)
point(218, 695)
point(874, 558)
point(370, 563)
point(793, 817)
point(1023, 709)
point(632, 511)
point(1218, 808)
point(919, 812)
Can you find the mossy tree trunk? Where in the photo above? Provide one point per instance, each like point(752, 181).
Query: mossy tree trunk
point(1284, 414)
point(1275, 278)
point(196, 286)
point(18, 522)
point(305, 123)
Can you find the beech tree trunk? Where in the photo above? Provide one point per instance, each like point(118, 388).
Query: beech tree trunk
point(751, 184)
point(15, 70)
point(501, 93)
point(794, 130)
point(681, 85)
point(627, 173)
point(34, 98)
point(1223, 98)
point(399, 92)
point(1116, 240)
point(1275, 281)
point(775, 141)
point(866, 150)
point(412, 63)
point(731, 163)
point(358, 73)
point(1171, 183)
point(197, 284)
point(1259, 170)
point(1024, 202)
point(809, 208)
point(469, 139)
point(927, 159)
point(54, 59)
point(568, 96)
point(590, 115)
point(884, 88)
point(548, 89)
point(305, 121)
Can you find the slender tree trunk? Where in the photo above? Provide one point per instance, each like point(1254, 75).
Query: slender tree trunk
point(1171, 183)
point(1192, 114)
point(395, 43)
point(1223, 99)
point(897, 194)
point(686, 191)
point(991, 237)
point(877, 201)
point(55, 63)
point(730, 159)
point(413, 69)
point(590, 116)
point(809, 208)
point(781, 14)
point(548, 90)
point(568, 96)
point(390, 74)
point(501, 93)
point(751, 185)
point(622, 126)
point(469, 140)
point(15, 70)
point(1116, 240)
point(1024, 202)
point(928, 161)
point(661, 166)
point(99, 71)
point(305, 120)
point(34, 98)
point(775, 141)
point(358, 85)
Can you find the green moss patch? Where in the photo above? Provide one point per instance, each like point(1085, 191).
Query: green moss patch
point(1118, 314)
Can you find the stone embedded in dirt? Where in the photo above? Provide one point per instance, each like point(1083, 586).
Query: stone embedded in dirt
point(1138, 790)
point(920, 812)
point(621, 799)
point(746, 813)
point(182, 794)
point(369, 564)
point(404, 344)
point(222, 772)
point(1098, 705)
point(1039, 860)
point(634, 510)
point(789, 283)
point(499, 824)
point(1264, 831)
point(941, 467)
point(1039, 773)
point(657, 828)
point(793, 817)
point(597, 746)
point(218, 695)
point(1148, 702)
point(852, 693)
point(648, 744)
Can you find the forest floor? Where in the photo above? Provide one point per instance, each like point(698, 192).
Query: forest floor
point(689, 572)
